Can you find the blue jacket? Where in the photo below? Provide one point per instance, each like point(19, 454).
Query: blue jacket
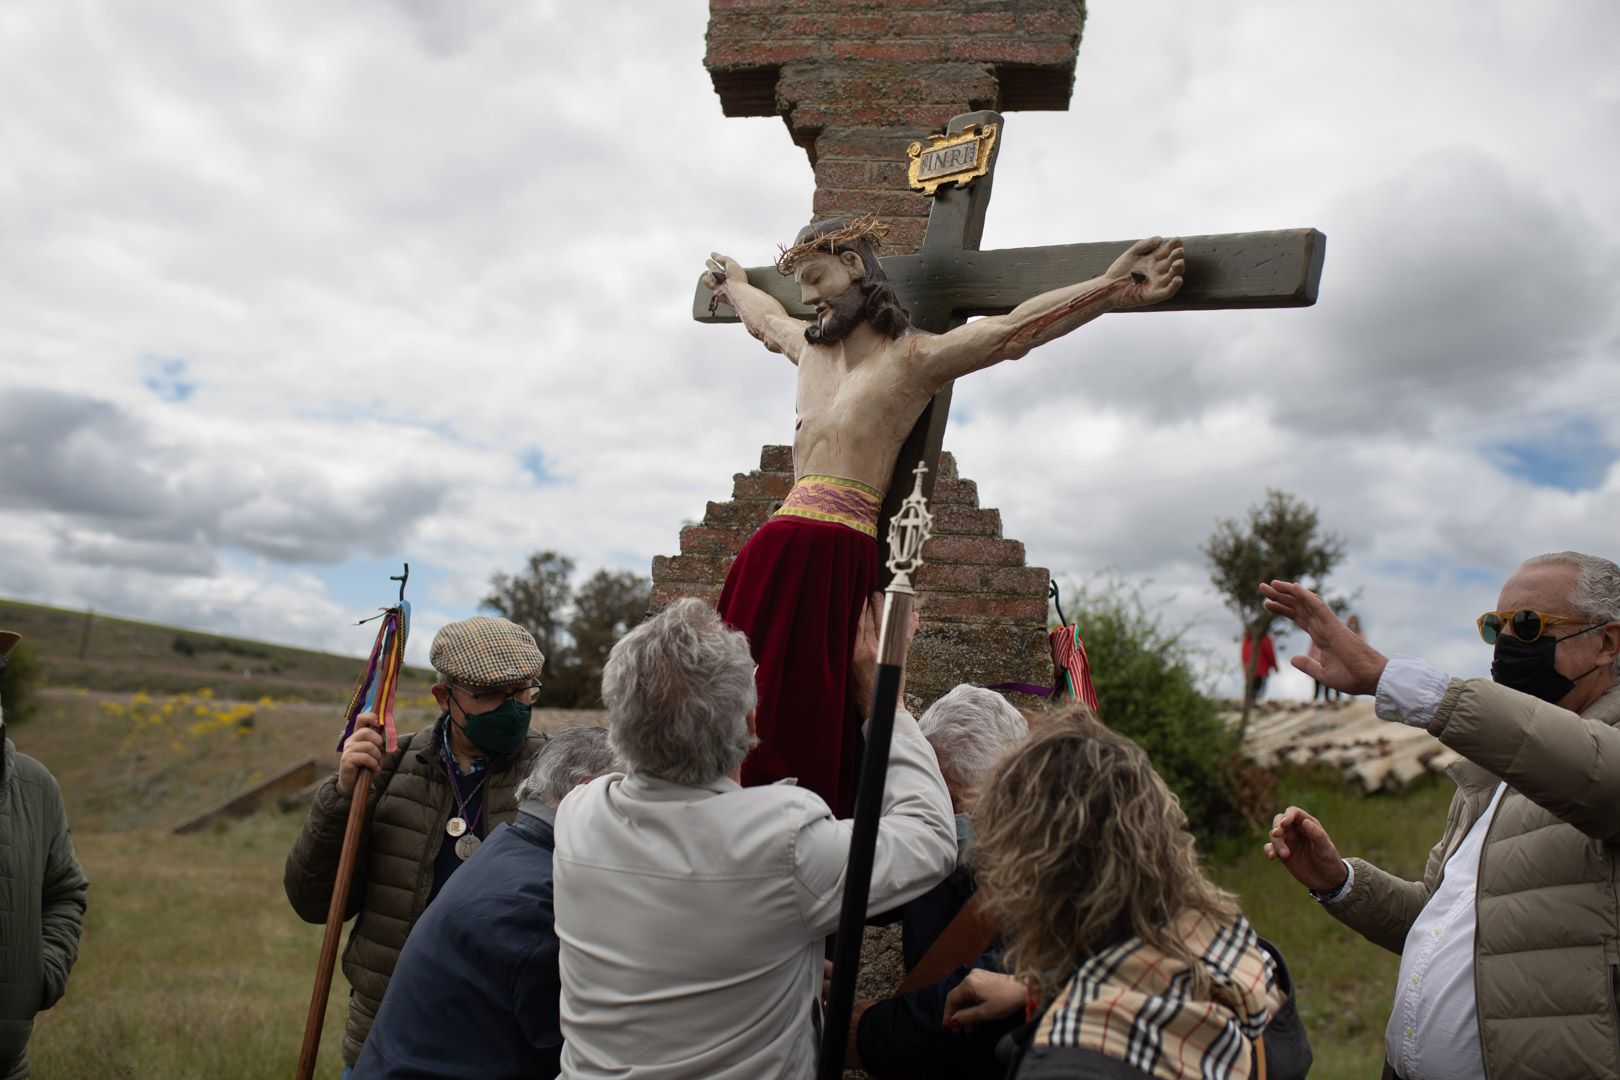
point(475, 991)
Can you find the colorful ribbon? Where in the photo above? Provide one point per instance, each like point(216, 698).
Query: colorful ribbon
point(375, 691)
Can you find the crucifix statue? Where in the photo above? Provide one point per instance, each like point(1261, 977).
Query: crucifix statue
point(887, 339)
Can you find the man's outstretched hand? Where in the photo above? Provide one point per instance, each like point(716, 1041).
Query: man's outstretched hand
point(1348, 663)
point(1299, 842)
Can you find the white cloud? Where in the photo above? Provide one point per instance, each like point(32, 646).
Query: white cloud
point(294, 291)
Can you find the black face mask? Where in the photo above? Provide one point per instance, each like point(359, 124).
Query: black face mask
point(1528, 666)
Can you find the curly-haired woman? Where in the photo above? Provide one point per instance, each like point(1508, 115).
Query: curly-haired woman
point(1127, 960)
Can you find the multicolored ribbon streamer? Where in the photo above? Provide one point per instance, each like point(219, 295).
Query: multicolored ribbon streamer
point(375, 691)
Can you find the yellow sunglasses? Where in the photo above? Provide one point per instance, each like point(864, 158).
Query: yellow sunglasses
point(1527, 625)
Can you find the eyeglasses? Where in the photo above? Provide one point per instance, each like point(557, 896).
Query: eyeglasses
point(494, 699)
point(1527, 625)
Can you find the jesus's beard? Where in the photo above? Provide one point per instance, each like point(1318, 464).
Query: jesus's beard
point(844, 313)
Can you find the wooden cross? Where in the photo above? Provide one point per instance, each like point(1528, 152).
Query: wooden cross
point(951, 280)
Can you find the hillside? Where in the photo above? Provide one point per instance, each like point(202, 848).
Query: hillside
point(101, 652)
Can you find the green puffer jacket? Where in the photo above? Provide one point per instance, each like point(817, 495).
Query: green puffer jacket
point(409, 804)
point(41, 902)
point(1547, 945)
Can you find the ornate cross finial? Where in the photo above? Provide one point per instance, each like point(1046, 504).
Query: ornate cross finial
point(908, 531)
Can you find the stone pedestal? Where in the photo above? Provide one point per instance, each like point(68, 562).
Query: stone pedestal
point(983, 610)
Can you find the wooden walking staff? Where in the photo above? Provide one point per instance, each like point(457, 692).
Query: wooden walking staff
point(373, 694)
point(908, 529)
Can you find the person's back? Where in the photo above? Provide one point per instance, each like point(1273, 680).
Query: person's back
point(480, 953)
point(724, 933)
point(691, 911)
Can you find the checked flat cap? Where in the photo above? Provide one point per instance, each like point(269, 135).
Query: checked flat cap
point(482, 651)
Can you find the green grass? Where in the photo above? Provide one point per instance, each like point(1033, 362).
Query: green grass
point(141, 761)
point(100, 652)
point(191, 964)
point(1344, 985)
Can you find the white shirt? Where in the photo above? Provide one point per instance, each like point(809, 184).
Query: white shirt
point(1433, 1031)
point(692, 920)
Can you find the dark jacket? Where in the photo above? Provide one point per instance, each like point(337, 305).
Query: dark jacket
point(906, 1034)
point(475, 993)
point(41, 902)
point(407, 809)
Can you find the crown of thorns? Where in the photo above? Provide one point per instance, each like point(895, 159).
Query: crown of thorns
point(866, 227)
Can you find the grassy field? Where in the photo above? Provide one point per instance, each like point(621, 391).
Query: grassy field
point(193, 965)
point(100, 652)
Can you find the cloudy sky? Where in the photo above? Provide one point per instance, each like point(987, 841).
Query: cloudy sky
point(292, 292)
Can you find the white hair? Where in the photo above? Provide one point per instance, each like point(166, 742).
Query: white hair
point(1596, 594)
point(678, 690)
point(568, 759)
point(970, 729)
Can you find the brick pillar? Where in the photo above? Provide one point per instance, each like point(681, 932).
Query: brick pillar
point(856, 82)
point(983, 610)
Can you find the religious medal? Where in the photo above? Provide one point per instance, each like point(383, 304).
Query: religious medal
point(456, 826)
point(466, 845)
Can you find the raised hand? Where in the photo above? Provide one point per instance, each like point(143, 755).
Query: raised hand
point(1156, 268)
point(1299, 842)
point(1348, 663)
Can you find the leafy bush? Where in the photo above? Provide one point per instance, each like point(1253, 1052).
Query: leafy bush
point(20, 684)
point(1147, 686)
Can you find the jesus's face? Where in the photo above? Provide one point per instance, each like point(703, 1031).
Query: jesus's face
point(829, 283)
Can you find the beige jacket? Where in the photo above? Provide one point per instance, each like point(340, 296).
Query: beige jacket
point(1547, 947)
point(692, 920)
point(407, 809)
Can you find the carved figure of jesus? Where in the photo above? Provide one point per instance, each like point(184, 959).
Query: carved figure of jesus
point(865, 375)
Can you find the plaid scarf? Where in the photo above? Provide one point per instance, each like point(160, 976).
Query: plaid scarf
point(1135, 1004)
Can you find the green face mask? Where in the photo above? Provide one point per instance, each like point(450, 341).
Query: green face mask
point(501, 730)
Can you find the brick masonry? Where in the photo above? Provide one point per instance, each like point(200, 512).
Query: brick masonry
point(983, 610)
point(857, 82)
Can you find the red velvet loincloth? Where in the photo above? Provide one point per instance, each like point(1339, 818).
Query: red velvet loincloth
point(797, 590)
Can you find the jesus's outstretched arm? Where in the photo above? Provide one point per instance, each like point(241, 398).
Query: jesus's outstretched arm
point(760, 312)
point(1149, 271)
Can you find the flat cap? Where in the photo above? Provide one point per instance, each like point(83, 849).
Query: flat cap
point(8, 638)
point(482, 651)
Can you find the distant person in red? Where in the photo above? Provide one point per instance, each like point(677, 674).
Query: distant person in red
point(1263, 667)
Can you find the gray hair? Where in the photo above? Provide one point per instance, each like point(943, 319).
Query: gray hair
point(678, 690)
point(970, 729)
point(568, 759)
point(1596, 594)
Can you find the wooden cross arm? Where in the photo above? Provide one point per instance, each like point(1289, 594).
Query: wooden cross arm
point(1281, 268)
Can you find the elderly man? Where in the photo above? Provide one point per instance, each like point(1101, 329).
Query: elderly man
point(693, 911)
point(41, 895)
point(432, 802)
point(970, 729)
point(474, 994)
point(865, 374)
point(1509, 957)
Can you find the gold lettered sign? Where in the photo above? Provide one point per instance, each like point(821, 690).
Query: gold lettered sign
point(951, 159)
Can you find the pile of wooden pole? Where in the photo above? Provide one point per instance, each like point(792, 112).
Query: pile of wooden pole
point(1369, 753)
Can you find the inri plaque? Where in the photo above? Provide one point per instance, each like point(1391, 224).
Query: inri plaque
point(953, 159)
